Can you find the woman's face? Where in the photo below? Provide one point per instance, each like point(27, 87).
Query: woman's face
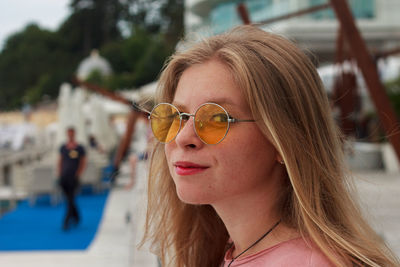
point(239, 166)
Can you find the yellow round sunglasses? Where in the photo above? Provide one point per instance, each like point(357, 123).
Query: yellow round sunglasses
point(211, 122)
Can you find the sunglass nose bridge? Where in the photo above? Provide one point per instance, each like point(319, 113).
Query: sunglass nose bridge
point(186, 116)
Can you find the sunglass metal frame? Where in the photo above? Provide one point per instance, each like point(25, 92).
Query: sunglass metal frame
point(181, 114)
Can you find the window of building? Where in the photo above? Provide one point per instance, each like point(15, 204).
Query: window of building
point(362, 9)
point(224, 16)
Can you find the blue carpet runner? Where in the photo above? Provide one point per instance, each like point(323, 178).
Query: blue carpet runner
point(39, 227)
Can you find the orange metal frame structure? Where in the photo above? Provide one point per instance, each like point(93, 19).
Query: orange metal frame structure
point(365, 61)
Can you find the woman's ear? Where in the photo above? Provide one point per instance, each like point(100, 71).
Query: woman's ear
point(279, 159)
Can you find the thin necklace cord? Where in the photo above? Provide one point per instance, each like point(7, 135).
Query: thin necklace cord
point(255, 243)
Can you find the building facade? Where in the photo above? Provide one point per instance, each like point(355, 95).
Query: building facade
point(378, 21)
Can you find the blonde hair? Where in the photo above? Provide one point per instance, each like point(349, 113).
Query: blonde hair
point(286, 97)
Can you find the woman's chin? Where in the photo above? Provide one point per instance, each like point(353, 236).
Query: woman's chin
point(194, 198)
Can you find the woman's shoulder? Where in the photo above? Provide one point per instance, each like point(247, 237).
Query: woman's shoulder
point(298, 252)
point(295, 252)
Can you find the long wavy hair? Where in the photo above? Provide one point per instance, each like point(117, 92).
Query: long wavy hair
point(287, 98)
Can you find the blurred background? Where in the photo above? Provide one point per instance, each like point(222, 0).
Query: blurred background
point(82, 63)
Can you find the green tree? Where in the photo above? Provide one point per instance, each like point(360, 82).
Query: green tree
point(160, 16)
point(148, 67)
point(139, 59)
point(94, 23)
point(172, 12)
point(134, 35)
point(31, 58)
point(393, 91)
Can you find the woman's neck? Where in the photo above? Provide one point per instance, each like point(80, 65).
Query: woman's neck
point(248, 216)
point(246, 223)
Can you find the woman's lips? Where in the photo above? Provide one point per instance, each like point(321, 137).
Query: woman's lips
point(188, 168)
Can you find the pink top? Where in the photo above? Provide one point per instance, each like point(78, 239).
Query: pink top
point(291, 253)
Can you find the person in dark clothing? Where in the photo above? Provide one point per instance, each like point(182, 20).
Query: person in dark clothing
point(72, 162)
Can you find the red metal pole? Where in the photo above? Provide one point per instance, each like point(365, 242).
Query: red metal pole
point(102, 91)
point(126, 140)
point(368, 68)
point(243, 13)
point(388, 53)
point(295, 14)
point(345, 92)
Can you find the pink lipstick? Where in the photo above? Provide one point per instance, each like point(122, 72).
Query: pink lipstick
point(188, 168)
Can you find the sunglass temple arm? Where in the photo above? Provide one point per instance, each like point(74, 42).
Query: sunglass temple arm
point(137, 108)
point(233, 120)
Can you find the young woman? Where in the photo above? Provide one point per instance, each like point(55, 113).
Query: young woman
point(248, 170)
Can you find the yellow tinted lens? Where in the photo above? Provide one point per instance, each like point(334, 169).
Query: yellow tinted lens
point(211, 123)
point(165, 122)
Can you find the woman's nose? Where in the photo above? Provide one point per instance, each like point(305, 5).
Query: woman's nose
point(187, 137)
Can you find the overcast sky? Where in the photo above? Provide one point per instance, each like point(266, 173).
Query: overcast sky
point(16, 14)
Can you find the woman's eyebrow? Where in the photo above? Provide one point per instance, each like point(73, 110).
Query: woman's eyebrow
point(220, 101)
point(179, 105)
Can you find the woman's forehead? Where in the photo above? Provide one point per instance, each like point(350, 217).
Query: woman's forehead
point(211, 81)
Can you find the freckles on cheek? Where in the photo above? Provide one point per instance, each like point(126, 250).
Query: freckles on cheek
point(231, 173)
point(236, 164)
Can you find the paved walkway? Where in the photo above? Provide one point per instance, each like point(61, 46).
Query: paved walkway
point(115, 243)
point(380, 197)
